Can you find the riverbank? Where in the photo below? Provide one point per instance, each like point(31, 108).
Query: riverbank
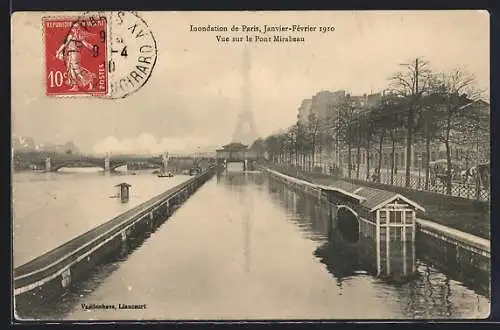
point(469, 216)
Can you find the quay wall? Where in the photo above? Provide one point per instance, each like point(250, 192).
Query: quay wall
point(464, 255)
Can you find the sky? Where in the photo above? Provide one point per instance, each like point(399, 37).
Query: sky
point(194, 95)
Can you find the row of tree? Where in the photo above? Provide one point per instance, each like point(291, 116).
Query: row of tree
point(420, 105)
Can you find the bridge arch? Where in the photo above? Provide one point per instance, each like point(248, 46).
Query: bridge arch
point(348, 224)
point(114, 165)
point(59, 165)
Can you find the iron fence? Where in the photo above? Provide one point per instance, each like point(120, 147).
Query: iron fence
point(417, 182)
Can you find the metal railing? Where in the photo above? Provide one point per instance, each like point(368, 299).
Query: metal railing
point(417, 182)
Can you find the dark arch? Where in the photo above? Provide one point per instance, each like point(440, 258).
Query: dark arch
point(348, 224)
point(57, 166)
point(114, 166)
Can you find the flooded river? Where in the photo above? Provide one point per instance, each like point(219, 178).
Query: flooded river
point(52, 208)
point(242, 247)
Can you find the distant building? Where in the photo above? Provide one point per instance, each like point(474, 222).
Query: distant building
point(232, 151)
point(235, 153)
point(325, 104)
point(304, 111)
point(365, 101)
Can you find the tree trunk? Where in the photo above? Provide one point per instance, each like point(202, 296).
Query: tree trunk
point(380, 156)
point(349, 162)
point(296, 153)
point(358, 152)
point(427, 157)
point(311, 157)
point(448, 157)
point(393, 155)
point(448, 167)
point(358, 159)
point(409, 141)
point(320, 151)
point(368, 147)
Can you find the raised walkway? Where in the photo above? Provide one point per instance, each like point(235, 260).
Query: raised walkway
point(468, 241)
point(465, 215)
point(48, 266)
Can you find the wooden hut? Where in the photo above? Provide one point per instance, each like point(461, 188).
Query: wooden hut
point(123, 191)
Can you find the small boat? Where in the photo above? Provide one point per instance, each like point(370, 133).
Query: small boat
point(194, 171)
point(165, 175)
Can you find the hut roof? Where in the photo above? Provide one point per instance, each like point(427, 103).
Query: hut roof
point(234, 146)
point(123, 184)
point(369, 198)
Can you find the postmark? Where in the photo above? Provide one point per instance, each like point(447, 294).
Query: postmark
point(126, 59)
point(133, 53)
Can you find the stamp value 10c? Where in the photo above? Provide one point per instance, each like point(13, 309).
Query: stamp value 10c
point(76, 56)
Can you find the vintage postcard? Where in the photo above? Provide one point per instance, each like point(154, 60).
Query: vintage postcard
point(295, 165)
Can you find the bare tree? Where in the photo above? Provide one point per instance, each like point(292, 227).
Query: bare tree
point(367, 124)
point(412, 83)
point(380, 123)
point(258, 146)
point(459, 117)
point(301, 144)
point(428, 125)
point(313, 132)
point(347, 129)
point(272, 147)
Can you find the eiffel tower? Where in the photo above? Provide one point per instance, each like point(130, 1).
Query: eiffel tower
point(245, 117)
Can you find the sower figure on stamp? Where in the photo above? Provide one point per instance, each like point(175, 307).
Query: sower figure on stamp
point(69, 52)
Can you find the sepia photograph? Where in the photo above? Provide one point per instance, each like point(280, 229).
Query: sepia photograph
point(250, 165)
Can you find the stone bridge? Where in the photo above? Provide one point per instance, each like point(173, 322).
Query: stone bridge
point(52, 162)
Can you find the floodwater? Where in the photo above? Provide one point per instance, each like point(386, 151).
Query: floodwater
point(248, 247)
point(52, 208)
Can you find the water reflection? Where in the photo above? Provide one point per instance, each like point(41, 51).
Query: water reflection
point(343, 252)
point(238, 182)
point(424, 291)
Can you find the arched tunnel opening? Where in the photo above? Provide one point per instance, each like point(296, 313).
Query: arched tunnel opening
point(348, 225)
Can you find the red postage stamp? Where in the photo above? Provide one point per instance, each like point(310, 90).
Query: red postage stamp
point(76, 56)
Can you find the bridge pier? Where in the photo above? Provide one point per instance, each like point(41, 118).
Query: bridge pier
point(48, 164)
point(164, 159)
point(66, 277)
point(107, 167)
